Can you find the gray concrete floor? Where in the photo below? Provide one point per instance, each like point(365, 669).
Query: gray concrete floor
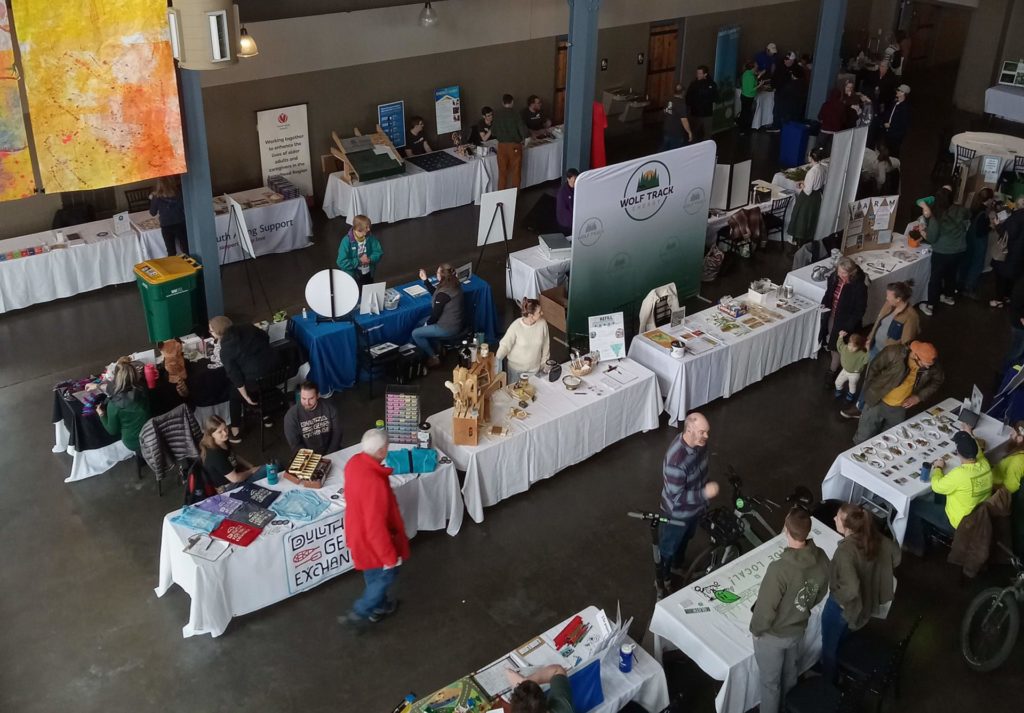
point(84, 631)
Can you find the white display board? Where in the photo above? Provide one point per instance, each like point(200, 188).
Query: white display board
point(284, 145)
point(487, 234)
point(607, 335)
point(237, 227)
point(842, 180)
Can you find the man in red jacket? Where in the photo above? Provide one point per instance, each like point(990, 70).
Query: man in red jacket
point(374, 530)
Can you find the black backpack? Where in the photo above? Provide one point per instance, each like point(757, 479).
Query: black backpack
point(197, 485)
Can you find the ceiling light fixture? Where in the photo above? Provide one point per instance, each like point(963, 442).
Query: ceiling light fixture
point(246, 44)
point(428, 16)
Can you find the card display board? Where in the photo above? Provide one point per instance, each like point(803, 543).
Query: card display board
point(391, 118)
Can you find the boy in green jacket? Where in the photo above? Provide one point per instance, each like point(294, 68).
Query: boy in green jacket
point(360, 251)
point(792, 586)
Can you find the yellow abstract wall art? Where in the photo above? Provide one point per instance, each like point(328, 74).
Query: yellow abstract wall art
point(16, 177)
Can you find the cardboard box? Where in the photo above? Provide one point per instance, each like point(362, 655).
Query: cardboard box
point(555, 303)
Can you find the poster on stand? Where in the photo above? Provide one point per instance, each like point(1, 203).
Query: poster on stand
point(391, 118)
point(607, 335)
point(448, 109)
point(726, 58)
point(284, 145)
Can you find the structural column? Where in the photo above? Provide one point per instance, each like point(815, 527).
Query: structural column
point(197, 191)
point(580, 82)
point(831, 22)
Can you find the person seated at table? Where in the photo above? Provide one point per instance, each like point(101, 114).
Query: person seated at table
point(954, 494)
point(126, 409)
point(360, 251)
point(533, 117)
point(416, 138)
point(563, 201)
point(528, 696)
point(481, 131)
point(861, 580)
point(313, 423)
point(165, 202)
point(445, 318)
point(526, 344)
point(899, 378)
point(222, 467)
point(792, 586)
point(1010, 470)
point(247, 357)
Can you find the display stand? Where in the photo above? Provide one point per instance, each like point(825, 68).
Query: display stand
point(870, 223)
point(332, 294)
point(496, 201)
point(238, 228)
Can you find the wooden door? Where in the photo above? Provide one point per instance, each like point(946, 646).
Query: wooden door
point(923, 20)
point(662, 57)
point(561, 71)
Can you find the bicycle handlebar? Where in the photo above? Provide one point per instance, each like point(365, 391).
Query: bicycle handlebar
point(655, 517)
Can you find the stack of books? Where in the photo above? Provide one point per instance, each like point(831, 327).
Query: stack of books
point(280, 184)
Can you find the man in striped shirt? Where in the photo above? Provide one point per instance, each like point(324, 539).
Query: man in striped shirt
point(684, 497)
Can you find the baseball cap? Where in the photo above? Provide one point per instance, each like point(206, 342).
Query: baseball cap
point(903, 88)
point(966, 446)
point(772, 48)
point(925, 352)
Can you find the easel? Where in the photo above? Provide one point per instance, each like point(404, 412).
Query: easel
point(235, 228)
point(498, 208)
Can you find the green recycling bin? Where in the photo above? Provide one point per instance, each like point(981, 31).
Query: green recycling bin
point(168, 286)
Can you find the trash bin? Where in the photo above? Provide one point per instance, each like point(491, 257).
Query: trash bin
point(793, 144)
point(168, 286)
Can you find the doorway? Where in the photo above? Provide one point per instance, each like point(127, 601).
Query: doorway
point(662, 64)
point(561, 71)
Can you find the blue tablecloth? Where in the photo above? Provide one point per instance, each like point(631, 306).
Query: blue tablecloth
point(332, 346)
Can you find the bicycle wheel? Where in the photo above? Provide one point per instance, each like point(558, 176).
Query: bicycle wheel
point(730, 553)
point(989, 629)
point(704, 563)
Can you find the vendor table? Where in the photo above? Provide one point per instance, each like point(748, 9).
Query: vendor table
point(764, 108)
point(532, 273)
point(332, 346)
point(742, 357)
point(716, 636)
point(274, 228)
point(1005, 102)
point(249, 578)
point(104, 259)
point(1006, 147)
point(898, 264)
point(563, 428)
point(898, 481)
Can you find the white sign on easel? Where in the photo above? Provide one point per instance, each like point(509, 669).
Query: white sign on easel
point(284, 145)
point(372, 300)
point(485, 234)
point(237, 226)
point(607, 335)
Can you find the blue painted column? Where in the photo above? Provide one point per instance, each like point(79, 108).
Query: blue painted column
point(197, 191)
point(580, 82)
point(831, 22)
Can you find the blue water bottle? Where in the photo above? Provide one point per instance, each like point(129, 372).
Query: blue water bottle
point(272, 472)
point(926, 473)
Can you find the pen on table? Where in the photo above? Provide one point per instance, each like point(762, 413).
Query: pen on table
point(208, 545)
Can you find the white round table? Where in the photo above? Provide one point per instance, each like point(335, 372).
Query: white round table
point(1007, 148)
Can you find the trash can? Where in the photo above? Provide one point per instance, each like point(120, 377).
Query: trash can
point(793, 144)
point(168, 286)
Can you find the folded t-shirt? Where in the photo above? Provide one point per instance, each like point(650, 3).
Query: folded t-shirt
point(237, 533)
point(302, 505)
point(195, 519)
point(220, 504)
point(255, 494)
point(252, 515)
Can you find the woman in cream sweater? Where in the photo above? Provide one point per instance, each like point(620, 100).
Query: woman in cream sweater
point(526, 343)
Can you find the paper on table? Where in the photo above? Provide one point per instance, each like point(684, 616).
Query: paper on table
point(536, 652)
point(492, 677)
point(206, 547)
point(415, 290)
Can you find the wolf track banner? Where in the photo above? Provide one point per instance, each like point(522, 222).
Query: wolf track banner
point(638, 225)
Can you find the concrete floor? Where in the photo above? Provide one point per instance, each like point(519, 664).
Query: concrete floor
point(84, 631)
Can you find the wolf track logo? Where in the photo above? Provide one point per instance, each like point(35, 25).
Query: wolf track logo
point(647, 189)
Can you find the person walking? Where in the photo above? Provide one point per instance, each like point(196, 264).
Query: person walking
point(946, 233)
point(700, 101)
point(374, 531)
point(166, 203)
point(510, 132)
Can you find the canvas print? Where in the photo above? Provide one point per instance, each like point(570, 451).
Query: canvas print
point(16, 178)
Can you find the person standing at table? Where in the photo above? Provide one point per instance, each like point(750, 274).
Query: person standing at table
point(792, 586)
point(1010, 266)
point(374, 531)
point(416, 138)
point(946, 233)
point(360, 251)
point(534, 118)
point(748, 96)
point(675, 130)
point(684, 496)
point(765, 59)
point(861, 581)
point(510, 131)
point(445, 318)
point(563, 201)
point(700, 103)
point(527, 343)
point(247, 357)
point(126, 410)
point(804, 222)
point(165, 201)
point(313, 423)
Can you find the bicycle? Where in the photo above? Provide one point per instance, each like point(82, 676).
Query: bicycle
point(992, 622)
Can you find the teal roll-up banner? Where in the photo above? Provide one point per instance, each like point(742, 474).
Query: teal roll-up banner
point(726, 71)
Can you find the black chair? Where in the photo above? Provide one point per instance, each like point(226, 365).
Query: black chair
point(816, 695)
point(775, 218)
point(1018, 165)
point(373, 363)
point(964, 156)
point(873, 664)
point(466, 333)
point(662, 311)
point(138, 198)
point(942, 168)
point(271, 397)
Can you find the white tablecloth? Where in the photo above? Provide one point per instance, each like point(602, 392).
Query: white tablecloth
point(719, 641)
point(563, 428)
point(532, 273)
point(273, 228)
point(1005, 102)
point(764, 108)
point(881, 267)
point(1006, 147)
point(85, 464)
point(253, 577)
point(105, 259)
point(735, 364)
point(848, 477)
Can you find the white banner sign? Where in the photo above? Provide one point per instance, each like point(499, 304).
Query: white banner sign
point(284, 145)
point(315, 553)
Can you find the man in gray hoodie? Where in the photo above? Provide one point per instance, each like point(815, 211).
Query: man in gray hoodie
point(792, 586)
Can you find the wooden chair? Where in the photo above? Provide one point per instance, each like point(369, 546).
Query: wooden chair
point(138, 198)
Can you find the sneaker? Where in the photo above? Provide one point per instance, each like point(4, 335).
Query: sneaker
point(947, 300)
point(234, 437)
point(926, 309)
point(661, 589)
point(996, 303)
point(850, 412)
point(838, 393)
point(268, 422)
point(386, 610)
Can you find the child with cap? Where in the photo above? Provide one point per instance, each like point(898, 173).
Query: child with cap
point(853, 360)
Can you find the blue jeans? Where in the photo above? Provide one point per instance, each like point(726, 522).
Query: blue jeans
point(672, 542)
point(833, 630)
point(375, 595)
point(930, 508)
point(424, 335)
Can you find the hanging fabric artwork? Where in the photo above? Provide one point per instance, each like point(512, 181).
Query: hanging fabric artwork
point(16, 177)
point(102, 95)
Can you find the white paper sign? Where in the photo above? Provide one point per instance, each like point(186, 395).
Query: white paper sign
point(315, 553)
point(607, 335)
point(284, 145)
point(122, 224)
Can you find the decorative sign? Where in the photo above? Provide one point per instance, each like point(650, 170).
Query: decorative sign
point(391, 117)
point(315, 553)
point(448, 109)
point(284, 145)
point(607, 335)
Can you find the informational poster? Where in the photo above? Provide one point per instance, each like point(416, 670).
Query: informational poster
point(284, 145)
point(315, 553)
point(607, 335)
point(16, 177)
point(638, 225)
point(391, 117)
point(102, 93)
point(448, 109)
point(726, 57)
